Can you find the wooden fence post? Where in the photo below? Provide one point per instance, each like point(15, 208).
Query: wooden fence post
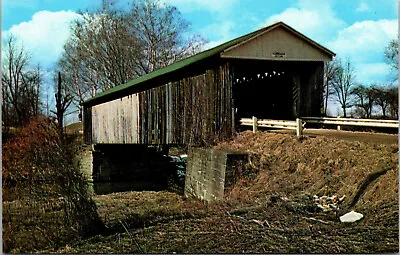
point(255, 124)
point(339, 127)
point(299, 127)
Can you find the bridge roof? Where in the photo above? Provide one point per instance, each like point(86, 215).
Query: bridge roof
point(140, 82)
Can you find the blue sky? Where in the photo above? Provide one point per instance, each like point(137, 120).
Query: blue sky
point(357, 30)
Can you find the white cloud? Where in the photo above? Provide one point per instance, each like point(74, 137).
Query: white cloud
point(363, 7)
point(44, 35)
point(365, 41)
point(208, 5)
point(311, 18)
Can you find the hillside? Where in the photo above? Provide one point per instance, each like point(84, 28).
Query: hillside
point(272, 210)
point(318, 166)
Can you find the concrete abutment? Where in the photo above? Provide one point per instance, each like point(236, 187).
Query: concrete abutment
point(211, 173)
point(112, 168)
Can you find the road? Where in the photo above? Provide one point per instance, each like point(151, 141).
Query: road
point(377, 138)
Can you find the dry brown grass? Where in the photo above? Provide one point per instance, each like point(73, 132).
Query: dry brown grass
point(317, 166)
point(254, 218)
point(136, 209)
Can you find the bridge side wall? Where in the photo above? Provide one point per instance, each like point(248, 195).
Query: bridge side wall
point(116, 121)
point(194, 110)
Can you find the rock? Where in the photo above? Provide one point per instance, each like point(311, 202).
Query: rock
point(328, 203)
point(351, 217)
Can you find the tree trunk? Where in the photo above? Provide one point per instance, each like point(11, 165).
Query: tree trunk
point(326, 97)
point(59, 108)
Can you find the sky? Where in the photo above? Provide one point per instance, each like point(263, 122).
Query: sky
point(356, 30)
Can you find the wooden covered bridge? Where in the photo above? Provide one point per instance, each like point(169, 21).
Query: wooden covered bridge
point(275, 72)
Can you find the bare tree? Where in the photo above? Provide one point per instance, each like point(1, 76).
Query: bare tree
point(392, 54)
point(160, 29)
point(382, 98)
point(342, 84)
point(390, 97)
point(329, 70)
point(21, 85)
point(364, 100)
point(393, 101)
point(33, 80)
point(63, 101)
point(112, 46)
point(99, 55)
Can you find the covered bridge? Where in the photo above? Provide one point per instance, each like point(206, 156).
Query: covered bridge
point(275, 73)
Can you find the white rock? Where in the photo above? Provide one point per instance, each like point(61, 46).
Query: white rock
point(351, 217)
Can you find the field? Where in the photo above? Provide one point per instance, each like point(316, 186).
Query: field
point(272, 210)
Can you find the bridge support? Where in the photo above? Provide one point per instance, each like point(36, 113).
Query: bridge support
point(121, 167)
point(211, 173)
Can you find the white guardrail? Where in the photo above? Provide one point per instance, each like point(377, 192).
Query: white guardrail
point(300, 123)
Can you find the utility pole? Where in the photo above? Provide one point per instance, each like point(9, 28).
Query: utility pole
point(62, 104)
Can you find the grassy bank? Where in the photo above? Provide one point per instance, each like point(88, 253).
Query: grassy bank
point(272, 210)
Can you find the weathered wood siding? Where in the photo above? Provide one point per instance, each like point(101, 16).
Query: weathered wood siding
point(116, 121)
point(194, 110)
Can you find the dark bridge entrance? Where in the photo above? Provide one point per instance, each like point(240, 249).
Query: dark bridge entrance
point(281, 90)
point(263, 90)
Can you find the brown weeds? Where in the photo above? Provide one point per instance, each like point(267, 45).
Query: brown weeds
point(45, 197)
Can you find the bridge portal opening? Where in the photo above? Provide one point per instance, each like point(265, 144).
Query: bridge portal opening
point(282, 90)
point(263, 89)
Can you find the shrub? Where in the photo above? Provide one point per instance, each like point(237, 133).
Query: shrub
point(45, 196)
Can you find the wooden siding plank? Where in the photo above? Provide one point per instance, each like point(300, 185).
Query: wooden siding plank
point(116, 121)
